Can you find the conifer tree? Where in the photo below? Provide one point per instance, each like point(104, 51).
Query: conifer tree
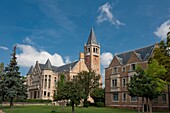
point(13, 82)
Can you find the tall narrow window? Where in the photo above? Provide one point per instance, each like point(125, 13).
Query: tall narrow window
point(45, 84)
point(55, 81)
point(164, 98)
point(114, 83)
point(115, 97)
point(44, 93)
point(49, 81)
point(94, 50)
point(48, 94)
point(124, 82)
point(124, 97)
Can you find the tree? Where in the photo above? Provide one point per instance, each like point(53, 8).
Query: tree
point(162, 55)
point(88, 81)
point(148, 83)
point(13, 83)
point(72, 91)
point(136, 85)
point(1, 68)
point(98, 95)
point(61, 82)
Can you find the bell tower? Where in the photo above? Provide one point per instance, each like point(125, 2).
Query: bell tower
point(92, 53)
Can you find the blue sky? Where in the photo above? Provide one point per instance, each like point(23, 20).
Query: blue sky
point(58, 29)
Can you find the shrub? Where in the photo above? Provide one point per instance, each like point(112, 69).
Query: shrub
point(99, 104)
point(33, 101)
point(86, 104)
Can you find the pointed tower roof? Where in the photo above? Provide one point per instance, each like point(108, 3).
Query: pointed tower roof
point(30, 70)
point(92, 38)
point(48, 65)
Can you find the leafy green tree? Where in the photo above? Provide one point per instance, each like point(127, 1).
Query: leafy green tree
point(136, 85)
point(155, 85)
point(88, 81)
point(98, 95)
point(58, 94)
point(148, 83)
point(12, 82)
point(162, 55)
point(71, 91)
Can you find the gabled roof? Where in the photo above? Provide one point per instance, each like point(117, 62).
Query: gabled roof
point(92, 38)
point(30, 70)
point(62, 68)
point(48, 65)
point(143, 54)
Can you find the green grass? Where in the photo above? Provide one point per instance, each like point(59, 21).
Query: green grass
point(48, 109)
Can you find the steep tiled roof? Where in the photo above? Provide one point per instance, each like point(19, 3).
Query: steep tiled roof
point(92, 38)
point(30, 70)
point(142, 53)
point(48, 65)
point(61, 68)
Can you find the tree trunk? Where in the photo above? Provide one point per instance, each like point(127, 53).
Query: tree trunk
point(138, 105)
point(147, 105)
point(150, 106)
point(72, 104)
point(11, 102)
point(142, 104)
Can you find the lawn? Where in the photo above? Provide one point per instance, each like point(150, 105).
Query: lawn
point(48, 109)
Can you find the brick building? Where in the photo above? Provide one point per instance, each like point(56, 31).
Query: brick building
point(118, 74)
point(42, 78)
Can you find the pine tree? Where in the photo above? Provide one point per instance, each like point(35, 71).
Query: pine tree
point(14, 83)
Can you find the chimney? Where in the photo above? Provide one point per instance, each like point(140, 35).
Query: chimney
point(81, 56)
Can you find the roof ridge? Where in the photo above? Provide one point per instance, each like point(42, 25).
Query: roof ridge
point(68, 63)
point(133, 50)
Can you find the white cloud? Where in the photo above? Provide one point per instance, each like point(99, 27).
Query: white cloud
point(28, 40)
point(105, 14)
point(3, 47)
point(29, 55)
point(106, 58)
point(163, 30)
point(67, 60)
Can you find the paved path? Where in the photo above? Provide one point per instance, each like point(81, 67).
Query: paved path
point(1, 111)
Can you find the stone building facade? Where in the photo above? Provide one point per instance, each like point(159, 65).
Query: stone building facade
point(118, 74)
point(42, 78)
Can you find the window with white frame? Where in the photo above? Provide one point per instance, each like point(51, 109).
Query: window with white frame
point(115, 97)
point(124, 82)
point(114, 82)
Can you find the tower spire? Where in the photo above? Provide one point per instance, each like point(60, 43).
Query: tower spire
point(92, 38)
